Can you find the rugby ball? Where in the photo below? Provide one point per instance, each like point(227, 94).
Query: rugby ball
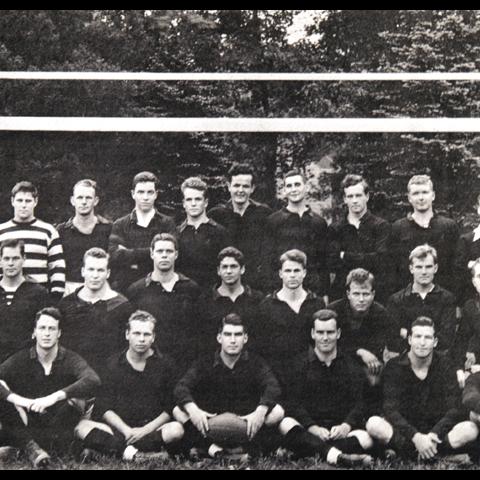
point(227, 429)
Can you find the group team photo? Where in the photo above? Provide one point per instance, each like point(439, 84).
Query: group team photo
point(250, 298)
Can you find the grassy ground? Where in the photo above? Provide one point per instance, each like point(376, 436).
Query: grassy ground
point(259, 464)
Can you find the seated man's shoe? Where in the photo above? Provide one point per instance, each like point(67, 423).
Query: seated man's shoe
point(37, 456)
point(145, 457)
point(8, 454)
point(458, 459)
point(354, 460)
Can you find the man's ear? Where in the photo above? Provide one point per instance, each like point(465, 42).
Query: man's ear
point(219, 337)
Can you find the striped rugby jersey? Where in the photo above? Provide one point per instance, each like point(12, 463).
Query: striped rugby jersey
point(44, 262)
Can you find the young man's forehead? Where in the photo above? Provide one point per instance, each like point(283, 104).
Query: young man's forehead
point(289, 264)
point(232, 329)
point(242, 178)
point(294, 179)
point(164, 245)
point(143, 186)
point(421, 261)
point(11, 251)
point(24, 195)
point(354, 189)
point(97, 262)
point(193, 192)
point(423, 330)
point(47, 320)
point(83, 190)
point(229, 261)
point(142, 326)
point(420, 187)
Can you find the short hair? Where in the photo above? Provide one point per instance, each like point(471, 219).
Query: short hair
point(422, 321)
point(141, 316)
point(51, 312)
point(143, 177)
point(473, 265)
point(231, 252)
point(293, 173)
point(164, 237)
point(324, 315)
point(420, 180)
point(197, 184)
point(25, 186)
point(96, 252)
point(294, 255)
point(360, 276)
point(232, 319)
point(241, 169)
point(351, 180)
point(86, 182)
point(13, 243)
point(423, 251)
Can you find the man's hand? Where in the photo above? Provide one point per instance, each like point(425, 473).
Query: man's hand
point(371, 361)
point(134, 435)
point(471, 360)
point(426, 445)
point(339, 432)
point(40, 405)
point(255, 421)
point(320, 432)
point(199, 418)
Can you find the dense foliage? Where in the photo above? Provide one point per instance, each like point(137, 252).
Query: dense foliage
point(239, 41)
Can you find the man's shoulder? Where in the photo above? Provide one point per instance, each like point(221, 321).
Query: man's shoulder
point(338, 305)
point(122, 221)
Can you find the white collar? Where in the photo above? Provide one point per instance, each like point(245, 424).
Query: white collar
point(476, 234)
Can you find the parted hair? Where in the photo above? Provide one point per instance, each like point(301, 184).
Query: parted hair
point(96, 252)
point(231, 252)
point(351, 180)
point(86, 182)
point(13, 243)
point(25, 186)
point(241, 169)
point(324, 315)
point(197, 184)
point(144, 177)
point(232, 319)
point(141, 316)
point(422, 321)
point(51, 312)
point(294, 255)
point(164, 237)
point(423, 251)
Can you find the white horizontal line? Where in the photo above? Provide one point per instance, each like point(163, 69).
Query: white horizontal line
point(189, 124)
point(302, 77)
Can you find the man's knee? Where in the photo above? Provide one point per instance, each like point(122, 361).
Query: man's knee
point(364, 439)
point(275, 416)
point(462, 434)
point(172, 432)
point(180, 415)
point(379, 429)
point(86, 426)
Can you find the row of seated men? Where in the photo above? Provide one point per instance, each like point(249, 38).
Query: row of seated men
point(359, 240)
point(94, 316)
point(230, 397)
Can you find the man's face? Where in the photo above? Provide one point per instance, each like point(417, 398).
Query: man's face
point(232, 339)
point(12, 262)
point(241, 188)
point(325, 334)
point(360, 296)
point(84, 200)
point(230, 271)
point(421, 197)
point(423, 270)
point(476, 279)
point(95, 273)
point(356, 199)
point(295, 189)
point(47, 333)
point(164, 255)
point(145, 194)
point(422, 341)
point(292, 274)
point(194, 202)
point(24, 204)
point(140, 336)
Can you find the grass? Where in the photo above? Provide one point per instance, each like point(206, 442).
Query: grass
point(264, 463)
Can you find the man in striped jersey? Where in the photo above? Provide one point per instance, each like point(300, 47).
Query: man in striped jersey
point(44, 261)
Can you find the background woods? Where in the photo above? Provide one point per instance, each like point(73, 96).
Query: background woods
point(240, 41)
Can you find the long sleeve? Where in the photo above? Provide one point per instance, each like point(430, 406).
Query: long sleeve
point(56, 266)
point(86, 380)
point(269, 385)
point(184, 389)
point(123, 256)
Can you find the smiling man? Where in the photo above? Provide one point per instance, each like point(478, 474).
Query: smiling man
point(423, 226)
point(359, 240)
point(423, 414)
point(44, 260)
point(424, 297)
point(244, 219)
point(41, 383)
point(95, 315)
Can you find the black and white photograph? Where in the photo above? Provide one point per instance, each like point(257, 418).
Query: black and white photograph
point(239, 240)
